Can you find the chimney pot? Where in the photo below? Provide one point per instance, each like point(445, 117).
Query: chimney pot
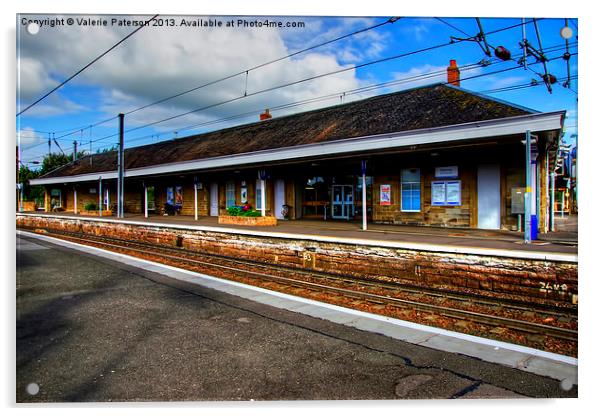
point(453, 73)
point(265, 115)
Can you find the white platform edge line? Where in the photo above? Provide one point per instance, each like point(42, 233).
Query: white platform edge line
point(531, 255)
point(399, 322)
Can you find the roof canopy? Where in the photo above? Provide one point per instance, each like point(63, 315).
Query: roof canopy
point(431, 114)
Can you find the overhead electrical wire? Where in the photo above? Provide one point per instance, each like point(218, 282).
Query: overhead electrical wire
point(291, 83)
point(334, 95)
point(338, 94)
point(86, 66)
point(381, 60)
point(391, 20)
point(246, 71)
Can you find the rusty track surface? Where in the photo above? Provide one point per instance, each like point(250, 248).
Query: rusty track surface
point(287, 277)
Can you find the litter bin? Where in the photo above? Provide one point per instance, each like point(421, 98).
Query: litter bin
point(534, 227)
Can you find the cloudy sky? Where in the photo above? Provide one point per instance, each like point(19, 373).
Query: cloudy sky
point(158, 62)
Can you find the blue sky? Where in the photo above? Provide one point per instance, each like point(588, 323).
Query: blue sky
point(158, 62)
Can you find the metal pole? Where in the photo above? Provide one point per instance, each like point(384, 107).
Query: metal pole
point(196, 202)
point(145, 201)
point(263, 197)
point(21, 197)
point(74, 150)
point(100, 197)
point(74, 200)
point(552, 199)
point(524, 44)
point(364, 198)
point(120, 164)
point(528, 187)
point(547, 211)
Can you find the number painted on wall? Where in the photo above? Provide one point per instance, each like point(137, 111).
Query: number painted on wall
point(556, 287)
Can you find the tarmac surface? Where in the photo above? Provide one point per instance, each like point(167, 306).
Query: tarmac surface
point(93, 329)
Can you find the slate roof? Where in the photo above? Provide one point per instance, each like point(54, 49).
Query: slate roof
point(425, 107)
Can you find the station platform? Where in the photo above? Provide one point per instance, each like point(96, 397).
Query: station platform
point(459, 240)
point(429, 339)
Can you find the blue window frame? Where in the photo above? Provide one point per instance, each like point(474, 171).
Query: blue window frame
point(410, 190)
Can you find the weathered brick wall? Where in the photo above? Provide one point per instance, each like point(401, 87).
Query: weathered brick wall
point(500, 276)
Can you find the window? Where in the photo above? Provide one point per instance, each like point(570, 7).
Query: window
point(230, 194)
point(150, 192)
point(446, 193)
point(56, 198)
point(410, 190)
point(258, 194)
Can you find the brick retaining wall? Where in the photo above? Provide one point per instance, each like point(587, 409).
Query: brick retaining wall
point(486, 274)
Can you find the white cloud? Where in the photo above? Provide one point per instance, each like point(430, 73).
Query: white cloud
point(32, 78)
point(156, 63)
point(27, 137)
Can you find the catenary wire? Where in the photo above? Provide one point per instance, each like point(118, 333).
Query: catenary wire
point(86, 66)
point(246, 71)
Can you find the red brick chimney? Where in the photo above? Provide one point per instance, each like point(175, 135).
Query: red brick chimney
point(453, 73)
point(265, 115)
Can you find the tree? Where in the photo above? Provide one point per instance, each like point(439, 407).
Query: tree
point(30, 193)
point(56, 160)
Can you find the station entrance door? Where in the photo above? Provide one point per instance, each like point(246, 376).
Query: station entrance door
point(342, 206)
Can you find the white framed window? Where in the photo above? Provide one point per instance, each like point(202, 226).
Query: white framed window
point(258, 194)
point(56, 198)
point(230, 194)
point(410, 190)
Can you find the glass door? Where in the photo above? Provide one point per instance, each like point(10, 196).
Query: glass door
point(342, 202)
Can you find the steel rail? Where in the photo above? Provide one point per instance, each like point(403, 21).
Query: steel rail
point(477, 317)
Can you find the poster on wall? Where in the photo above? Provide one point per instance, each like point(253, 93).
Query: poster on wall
point(179, 196)
point(243, 193)
point(438, 193)
point(452, 193)
point(446, 193)
point(385, 194)
point(170, 197)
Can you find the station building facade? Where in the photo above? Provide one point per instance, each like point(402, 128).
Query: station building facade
point(437, 155)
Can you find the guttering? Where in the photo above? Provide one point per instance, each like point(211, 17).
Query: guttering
point(457, 132)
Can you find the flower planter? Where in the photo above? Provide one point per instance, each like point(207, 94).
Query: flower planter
point(29, 206)
point(252, 221)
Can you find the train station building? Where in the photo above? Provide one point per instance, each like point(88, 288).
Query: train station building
point(437, 155)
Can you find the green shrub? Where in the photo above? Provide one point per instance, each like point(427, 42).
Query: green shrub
point(238, 211)
point(90, 206)
point(234, 211)
point(251, 213)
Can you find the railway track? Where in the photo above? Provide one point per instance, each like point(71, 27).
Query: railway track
point(447, 305)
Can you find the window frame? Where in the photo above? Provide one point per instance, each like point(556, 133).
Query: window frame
point(401, 183)
point(230, 191)
point(258, 195)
